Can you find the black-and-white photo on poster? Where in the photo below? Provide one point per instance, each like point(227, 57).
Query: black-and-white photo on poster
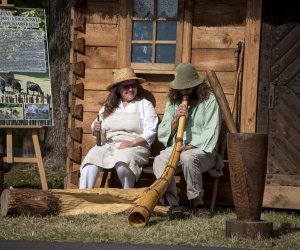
point(25, 87)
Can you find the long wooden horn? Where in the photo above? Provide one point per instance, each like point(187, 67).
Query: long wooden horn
point(141, 213)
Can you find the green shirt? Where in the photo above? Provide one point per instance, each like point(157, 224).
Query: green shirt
point(202, 126)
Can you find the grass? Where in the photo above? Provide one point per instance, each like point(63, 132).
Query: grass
point(27, 176)
point(116, 229)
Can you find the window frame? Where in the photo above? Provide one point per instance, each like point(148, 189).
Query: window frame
point(126, 21)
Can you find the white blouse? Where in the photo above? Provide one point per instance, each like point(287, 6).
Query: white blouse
point(148, 118)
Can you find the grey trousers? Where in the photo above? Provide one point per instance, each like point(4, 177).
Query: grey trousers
point(192, 163)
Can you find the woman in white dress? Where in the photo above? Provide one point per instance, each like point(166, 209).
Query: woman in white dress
point(128, 123)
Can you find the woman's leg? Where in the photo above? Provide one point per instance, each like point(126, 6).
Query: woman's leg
point(126, 176)
point(88, 176)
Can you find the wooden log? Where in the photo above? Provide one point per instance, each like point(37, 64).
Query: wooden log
point(76, 134)
point(76, 154)
point(79, 22)
point(249, 229)
point(66, 202)
point(79, 68)
point(77, 112)
point(28, 201)
point(79, 44)
point(78, 90)
point(222, 101)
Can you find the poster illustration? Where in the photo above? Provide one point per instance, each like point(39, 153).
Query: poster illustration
point(25, 86)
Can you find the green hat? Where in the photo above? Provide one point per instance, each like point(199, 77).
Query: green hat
point(186, 76)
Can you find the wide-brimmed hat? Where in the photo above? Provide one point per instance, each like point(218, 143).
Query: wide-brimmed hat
point(124, 74)
point(186, 76)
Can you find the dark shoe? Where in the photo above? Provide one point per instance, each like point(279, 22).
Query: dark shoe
point(176, 212)
point(201, 211)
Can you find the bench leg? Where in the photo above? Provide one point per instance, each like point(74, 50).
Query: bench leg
point(214, 195)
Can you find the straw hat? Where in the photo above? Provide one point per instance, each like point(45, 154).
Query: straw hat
point(124, 74)
point(186, 76)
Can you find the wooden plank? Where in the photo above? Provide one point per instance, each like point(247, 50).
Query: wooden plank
point(77, 111)
point(5, 4)
point(79, 22)
point(283, 180)
point(179, 34)
point(79, 44)
point(75, 154)
point(85, 124)
point(151, 68)
point(100, 35)
point(79, 68)
point(104, 12)
point(214, 59)
point(187, 31)
point(97, 78)
point(251, 66)
point(217, 37)
point(39, 158)
point(9, 146)
point(92, 100)
point(76, 134)
point(158, 87)
point(77, 89)
point(21, 159)
point(89, 142)
point(281, 197)
point(219, 13)
point(264, 79)
point(124, 44)
point(226, 79)
point(99, 57)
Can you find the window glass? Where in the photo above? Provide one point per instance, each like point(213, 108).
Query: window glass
point(142, 30)
point(143, 8)
point(167, 8)
point(141, 53)
point(154, 32)
point(166, 30)
point(165, 53)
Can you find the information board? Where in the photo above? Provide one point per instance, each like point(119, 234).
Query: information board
point(25, 86)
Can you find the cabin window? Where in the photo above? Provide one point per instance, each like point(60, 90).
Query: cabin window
point(156, 34)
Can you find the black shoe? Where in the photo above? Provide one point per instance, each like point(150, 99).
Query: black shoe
point(201, 211)
point(176, 212)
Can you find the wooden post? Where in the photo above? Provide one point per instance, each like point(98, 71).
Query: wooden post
point(1, 169)
point(5, 4)
point(251, 66)
point(38, 156)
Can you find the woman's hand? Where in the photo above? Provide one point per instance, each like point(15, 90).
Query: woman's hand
point(97, 126)
point(185, 148)
point(126, 144)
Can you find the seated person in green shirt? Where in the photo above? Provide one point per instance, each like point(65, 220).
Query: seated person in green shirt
point(198, 151)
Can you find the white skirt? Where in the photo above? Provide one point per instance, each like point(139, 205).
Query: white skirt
point(107, 155)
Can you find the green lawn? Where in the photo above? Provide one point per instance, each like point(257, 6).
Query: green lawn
point(116, 229)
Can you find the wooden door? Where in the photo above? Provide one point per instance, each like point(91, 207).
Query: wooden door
point(279, 92)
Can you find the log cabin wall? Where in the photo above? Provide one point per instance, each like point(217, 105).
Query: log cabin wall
point(211, 31)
